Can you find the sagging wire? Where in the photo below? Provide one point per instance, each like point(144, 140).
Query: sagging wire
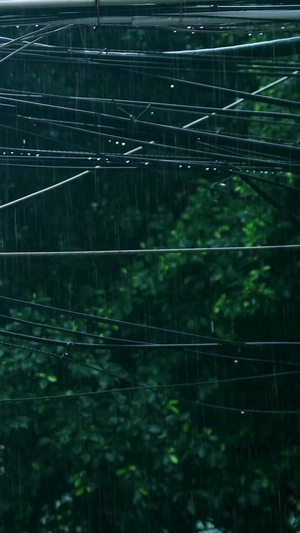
point(103, 346)
point(107, 320)
point(210, 341)
point(138, 343)
point(157, 389)
point(188, 53)
point(151, 346)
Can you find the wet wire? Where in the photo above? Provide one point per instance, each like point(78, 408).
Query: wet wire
point(56, 185)
point(151, 251)
point(11, 93)
point(152, 388)
point(45, 190)
point(44, 32)
point(260, 146)
point(291, 104)
point(104, 337)
point(104, 346)
point(210, 341)
point(68, 331)
point(112, 321)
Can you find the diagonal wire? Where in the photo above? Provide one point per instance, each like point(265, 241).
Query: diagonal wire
point(106, 320)
point(100, 337)
point(66, 330)
point(43, 191)
point(145, 346)
point(156, 389)
point(26, 45)
point(266, 196)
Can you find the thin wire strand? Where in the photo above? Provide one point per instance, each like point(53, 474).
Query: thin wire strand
point(154, 388)
point(145, 251)
point(198, 352)
point(66, 330)
point(106, 320)
point(143, 387)
point(235, 47)
point(45, 32)
point(240, 100)
point(56, 185)
point(236, 92)
point(265, 148)
point(165, 106)
point(145, 346)
point(43, 191)
point(239, 359)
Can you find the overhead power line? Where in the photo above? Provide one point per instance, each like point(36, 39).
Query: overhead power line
point(94, 318)
point(240, 100)
point(236, 47)
point(70, 395)
point(113, 321)
point(198, 352)
point(151, 251)
point(156, 14)
point(67, 331)
point(42, 191)
point(157, 389)
point(56, 185)
point(31, 4)
point(107, 346)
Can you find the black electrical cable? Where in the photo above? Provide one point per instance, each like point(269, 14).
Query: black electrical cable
point(148, 125)
point(66, 330)
point(267, 197)
point(106, 320)
point(90, 346)
point(167, 106)
point(154, 388)
point(154, 128)
point(291, 104)
point(94, 318)
point(236, 359)
point(240, 359)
